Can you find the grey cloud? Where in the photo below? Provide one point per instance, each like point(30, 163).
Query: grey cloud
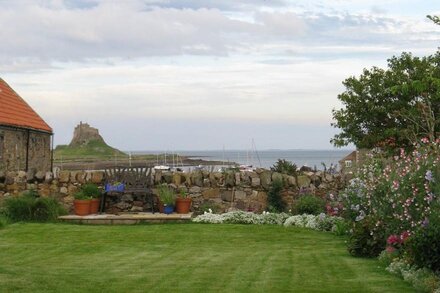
point(80, 31)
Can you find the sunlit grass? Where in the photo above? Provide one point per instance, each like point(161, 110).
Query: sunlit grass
point(183, 258)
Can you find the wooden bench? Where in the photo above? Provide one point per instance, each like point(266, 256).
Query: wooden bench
point(137, 181)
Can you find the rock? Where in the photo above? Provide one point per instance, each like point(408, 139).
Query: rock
point(206, 182)
point(255, 181)
point(127, 197)
point(177, 179)
point(21, 177)
point(303, 181)
point(195, 189)
point(211, 193)
point(306, 169)
point(277, 176)
point(72, 189)
point(138, 203)
point(266, 179)
point(136, 209)
point(237, 178)
point(316, 181)
point(122, 205)
point(226, 195)
point(30, 175)
point(167, 177)
point(64, 176)
point(229, 179)
point(197, 178)
point(97, 177)
point(239, 195)
point(329, 178)
point(63, 190)
point(2, 176)
point(81, 177)
point(48, 176)
point(291, 180)
point(157, 177)
point(73, 175)
point(68, 199)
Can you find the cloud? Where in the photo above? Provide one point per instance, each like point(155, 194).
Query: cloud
point(68, 31)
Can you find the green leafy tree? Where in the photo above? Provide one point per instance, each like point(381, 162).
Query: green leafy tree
point(434, 18)
point(391, 107)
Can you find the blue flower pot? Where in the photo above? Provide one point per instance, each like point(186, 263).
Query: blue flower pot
point(168, 209)
point(114, 188)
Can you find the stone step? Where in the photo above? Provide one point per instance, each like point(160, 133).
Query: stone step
point(126, 218)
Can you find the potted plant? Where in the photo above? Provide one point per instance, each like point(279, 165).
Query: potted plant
point(183, 203)
point(92, 191)
point(167, 198)
point(81, 204)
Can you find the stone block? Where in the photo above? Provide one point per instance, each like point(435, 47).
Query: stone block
point(177, 179)
point(277, 176)
point(97, 177)
point(255, 181)
point(211, 193)
point(303, 181)
point(197, 178)
point(64, 176)
point(266, 179)
point(229, 179)
point(239, 195)
point(226, 195)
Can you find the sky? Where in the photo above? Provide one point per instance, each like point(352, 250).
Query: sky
point(202, 74)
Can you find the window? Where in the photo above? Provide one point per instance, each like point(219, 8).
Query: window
point(348, 163)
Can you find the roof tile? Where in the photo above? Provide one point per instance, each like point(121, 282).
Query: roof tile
point(14, 111)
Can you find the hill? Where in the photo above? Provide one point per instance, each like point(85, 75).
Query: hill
point(86, 143)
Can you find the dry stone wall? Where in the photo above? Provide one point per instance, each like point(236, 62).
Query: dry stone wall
point(218, 191)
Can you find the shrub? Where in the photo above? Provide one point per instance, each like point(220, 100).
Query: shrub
point(240, 217)
point(19, 208)
point(424, 245)
point(275, 201)
point(367, 238)
point(309, 204)
point(3, 221)
point(321, 222)
point(284, 167)
point(27, 207)
point(341, 227)
point(423, 280)
point(91, 190)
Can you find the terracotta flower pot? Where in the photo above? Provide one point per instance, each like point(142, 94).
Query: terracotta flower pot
point(82, 207)
point(183, 205)
point(94, 205)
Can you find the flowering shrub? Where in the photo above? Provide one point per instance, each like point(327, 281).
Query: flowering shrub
point(423, 280)
point(400, 193)
point(320, 222)
point(240, 217)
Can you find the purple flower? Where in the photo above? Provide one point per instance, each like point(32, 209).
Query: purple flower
point(425, 223)
point(428, 176)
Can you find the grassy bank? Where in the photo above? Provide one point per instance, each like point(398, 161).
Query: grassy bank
point(183, 258)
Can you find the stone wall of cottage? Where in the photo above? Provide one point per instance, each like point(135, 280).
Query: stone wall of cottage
point(219, 191)
point(14, 145)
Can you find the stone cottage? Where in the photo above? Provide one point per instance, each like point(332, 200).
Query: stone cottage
point(25, 138)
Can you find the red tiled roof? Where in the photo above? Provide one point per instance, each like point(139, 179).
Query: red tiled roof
point(14, 111)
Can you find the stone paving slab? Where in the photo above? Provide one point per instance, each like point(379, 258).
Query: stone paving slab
point(125, 218)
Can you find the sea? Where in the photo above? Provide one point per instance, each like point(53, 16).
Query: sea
point(263, 158)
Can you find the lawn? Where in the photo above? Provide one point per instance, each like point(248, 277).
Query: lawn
point(183, 258)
